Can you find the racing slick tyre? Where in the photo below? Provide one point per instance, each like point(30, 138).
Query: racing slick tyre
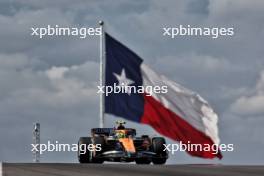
point(143, 161)
point(159, 148)
point(98, 140)
point(84, 156)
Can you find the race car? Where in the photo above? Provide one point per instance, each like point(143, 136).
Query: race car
point(121, 145)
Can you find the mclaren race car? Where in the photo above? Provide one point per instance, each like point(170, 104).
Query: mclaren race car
point(121, 145)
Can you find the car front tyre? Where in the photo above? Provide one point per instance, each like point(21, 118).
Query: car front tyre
point(84, 156)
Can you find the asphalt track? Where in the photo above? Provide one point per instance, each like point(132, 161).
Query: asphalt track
point(59, 169)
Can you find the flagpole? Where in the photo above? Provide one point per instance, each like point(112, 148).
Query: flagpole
point(102, 74)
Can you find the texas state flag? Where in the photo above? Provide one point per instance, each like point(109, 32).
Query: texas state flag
point(179, 114)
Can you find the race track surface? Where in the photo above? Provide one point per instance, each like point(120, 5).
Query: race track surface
point(59, 169)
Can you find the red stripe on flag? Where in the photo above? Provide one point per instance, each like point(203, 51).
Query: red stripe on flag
point(173, 126)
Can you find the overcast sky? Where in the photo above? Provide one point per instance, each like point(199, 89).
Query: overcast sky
point(53, 80)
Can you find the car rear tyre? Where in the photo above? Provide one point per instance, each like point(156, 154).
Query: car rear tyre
point(158, 147)
point(159, 160)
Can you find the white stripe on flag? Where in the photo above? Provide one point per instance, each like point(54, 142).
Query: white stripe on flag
point(187, 104)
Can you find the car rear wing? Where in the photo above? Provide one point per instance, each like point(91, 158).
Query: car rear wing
point(102, 131)
point(109, 131)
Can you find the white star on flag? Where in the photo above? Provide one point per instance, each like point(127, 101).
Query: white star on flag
point(123, 81)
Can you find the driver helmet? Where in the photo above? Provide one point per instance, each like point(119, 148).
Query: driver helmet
point(120, 124)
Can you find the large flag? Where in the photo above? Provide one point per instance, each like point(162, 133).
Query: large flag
point(179, 114)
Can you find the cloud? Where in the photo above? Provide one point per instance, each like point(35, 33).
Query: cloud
point(204, 64)
point(64, 96)
point(251, 104)
point(232, 9)
point(53, 80)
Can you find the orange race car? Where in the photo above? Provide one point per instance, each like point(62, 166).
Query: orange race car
point(121, 145)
